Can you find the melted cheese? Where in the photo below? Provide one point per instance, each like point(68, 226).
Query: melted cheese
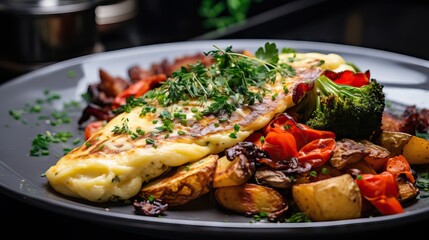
point(114, 166)
point(331, 61)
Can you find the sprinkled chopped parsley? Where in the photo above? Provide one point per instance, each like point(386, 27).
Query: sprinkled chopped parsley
point(298, 217)
point(236, 129)
point(422, 183)
point(40, 144)
point(260, 216)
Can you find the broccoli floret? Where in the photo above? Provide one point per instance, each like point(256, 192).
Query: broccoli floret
point(352, 112)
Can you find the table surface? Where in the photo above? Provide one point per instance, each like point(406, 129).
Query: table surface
point(21, 215)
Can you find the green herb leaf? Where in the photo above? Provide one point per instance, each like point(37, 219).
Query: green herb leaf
point(269, 53)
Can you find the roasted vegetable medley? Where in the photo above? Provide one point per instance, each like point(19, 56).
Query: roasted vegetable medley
point(338, 153)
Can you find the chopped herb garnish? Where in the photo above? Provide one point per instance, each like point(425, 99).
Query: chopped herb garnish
point(150, 141)
point(122, 129)
point(298, 217)
point(320, 63)
point(66, 150)
point(76, 141)
point(422, 182)
point(40, 144)
point(324, 170)
point(139, 131)
point(134, 136)
point(233, 135)
point(71, 73)
point(260, 216)
point(181, 132)
point(274, 96)
point(71, 104)
point(36, 108)
point(285, 89)
point(16, 114)
point(313, 173)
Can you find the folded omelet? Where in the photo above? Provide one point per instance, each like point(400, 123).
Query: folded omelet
point(114, 163)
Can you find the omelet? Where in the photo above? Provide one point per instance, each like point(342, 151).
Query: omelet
point(130, 150)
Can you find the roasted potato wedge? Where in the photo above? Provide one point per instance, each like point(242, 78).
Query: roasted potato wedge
point(416, 151)
point(186, 183)
point(334, 198)
point(394, 142)
point(233, 173)
point(252, 199)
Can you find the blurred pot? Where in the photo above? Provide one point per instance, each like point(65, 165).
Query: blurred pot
point(39, 32)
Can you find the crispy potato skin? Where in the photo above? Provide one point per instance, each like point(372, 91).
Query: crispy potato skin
point(232, 173)
point(252, 199)
point(394, 142)
point(334, 198)
point(188, 182)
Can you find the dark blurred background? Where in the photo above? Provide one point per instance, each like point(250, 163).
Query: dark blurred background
point(41, 32)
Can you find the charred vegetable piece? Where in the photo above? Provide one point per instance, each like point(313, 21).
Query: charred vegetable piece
point(377, 155)
point(273, 178)
point(407, 190)
point(111, 85)
point(250, 199)
point(347, 151)
point(150, 207)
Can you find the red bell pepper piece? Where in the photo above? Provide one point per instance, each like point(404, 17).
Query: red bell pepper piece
point(93, 128)
point(138, 89)
point(399, 165)
point(348, 77)
point(280, 145)
point(381, 190)
point(303, 134)
point(317, 152)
